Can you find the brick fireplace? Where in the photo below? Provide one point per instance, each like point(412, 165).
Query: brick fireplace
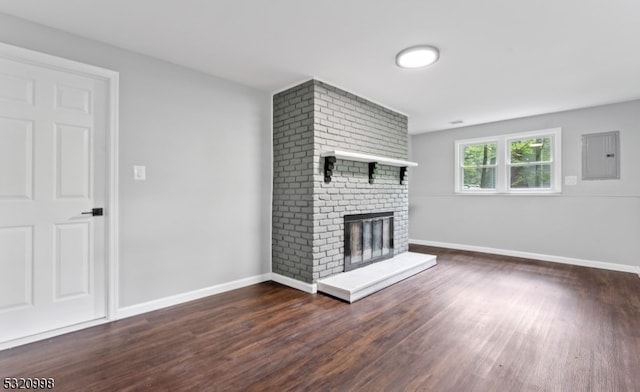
point(308, 236)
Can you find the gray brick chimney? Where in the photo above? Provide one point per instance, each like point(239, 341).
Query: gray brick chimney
point(308, 213)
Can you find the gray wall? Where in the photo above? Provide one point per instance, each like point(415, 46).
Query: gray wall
point(594, 220)
point(202, 218)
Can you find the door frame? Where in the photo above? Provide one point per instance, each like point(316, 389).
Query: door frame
point(31, 57)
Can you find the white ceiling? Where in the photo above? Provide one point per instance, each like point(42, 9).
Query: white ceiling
point(500, 59)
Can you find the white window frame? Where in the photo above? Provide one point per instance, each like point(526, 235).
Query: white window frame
point(503, 163)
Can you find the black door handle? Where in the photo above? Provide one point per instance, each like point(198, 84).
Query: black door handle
point(94, 212)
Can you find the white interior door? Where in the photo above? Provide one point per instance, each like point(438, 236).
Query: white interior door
point(52, 169)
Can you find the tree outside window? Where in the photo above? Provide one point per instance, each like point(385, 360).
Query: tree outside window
point(530, 163)
point(479, 166)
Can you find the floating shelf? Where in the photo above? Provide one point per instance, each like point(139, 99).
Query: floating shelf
point(373, 161)
point(356, 156)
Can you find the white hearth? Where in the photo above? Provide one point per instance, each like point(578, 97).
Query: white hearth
point(353, 285)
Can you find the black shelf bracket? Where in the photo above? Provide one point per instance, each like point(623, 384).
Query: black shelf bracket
point(329, 163)
point(373, 171)
point(404, 175)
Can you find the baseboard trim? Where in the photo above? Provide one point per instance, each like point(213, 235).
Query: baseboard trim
point(310, 288)
point(535, 256)
point(50, 334)
point(177, 299)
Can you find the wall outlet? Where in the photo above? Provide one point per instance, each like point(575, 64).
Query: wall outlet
point(571, 180)
point(139, 173)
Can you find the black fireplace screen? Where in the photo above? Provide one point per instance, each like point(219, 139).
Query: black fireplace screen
point(367, 238)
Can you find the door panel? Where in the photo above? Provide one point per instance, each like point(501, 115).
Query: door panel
point(73, 161)
point(72, 98)
point(16, 88)
point(73, 256)
point(52, 168)
point(16, 251)
point(16, 159)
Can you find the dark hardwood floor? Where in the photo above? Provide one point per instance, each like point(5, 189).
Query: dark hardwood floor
point(475, 322)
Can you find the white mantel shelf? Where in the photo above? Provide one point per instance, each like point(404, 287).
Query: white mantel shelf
point(356, 156)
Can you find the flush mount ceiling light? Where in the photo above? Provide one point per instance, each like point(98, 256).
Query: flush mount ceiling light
point(417, 56)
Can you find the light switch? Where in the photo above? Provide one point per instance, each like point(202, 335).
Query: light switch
point(571, 180)
point(140, 173)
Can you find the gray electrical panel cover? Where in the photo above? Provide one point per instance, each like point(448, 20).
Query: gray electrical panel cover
point(601, 156)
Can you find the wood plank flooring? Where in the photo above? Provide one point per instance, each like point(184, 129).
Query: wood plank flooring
point(475, 322)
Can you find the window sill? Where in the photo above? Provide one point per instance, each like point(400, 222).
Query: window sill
point(526, 193)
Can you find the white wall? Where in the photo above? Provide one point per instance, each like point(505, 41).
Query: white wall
point(202, 218)
point(594, 220)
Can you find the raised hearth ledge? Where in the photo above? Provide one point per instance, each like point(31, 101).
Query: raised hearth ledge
point(356, 156)
point(356, 284)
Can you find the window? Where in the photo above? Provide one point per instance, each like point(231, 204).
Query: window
point(516, 163)
point(479, 165)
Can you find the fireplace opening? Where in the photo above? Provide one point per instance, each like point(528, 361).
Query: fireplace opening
point(367, 238)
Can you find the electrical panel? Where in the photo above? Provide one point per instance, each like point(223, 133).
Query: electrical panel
point(601, 156)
